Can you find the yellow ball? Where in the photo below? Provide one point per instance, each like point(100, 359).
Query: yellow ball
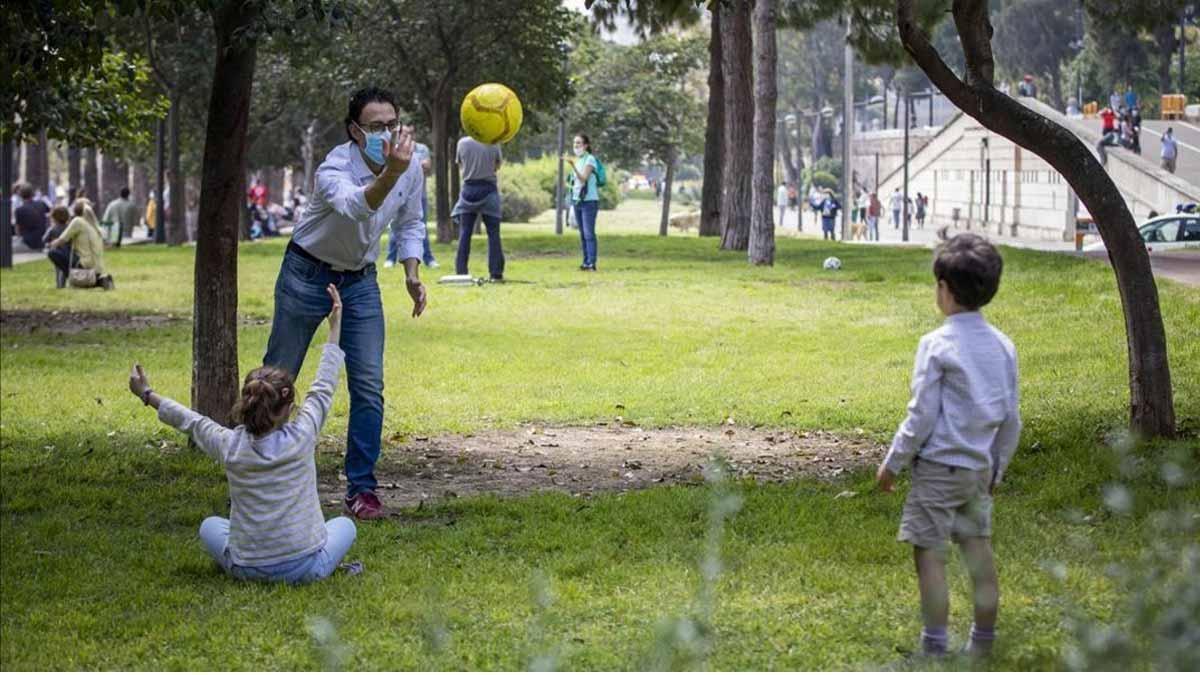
point(491, 113)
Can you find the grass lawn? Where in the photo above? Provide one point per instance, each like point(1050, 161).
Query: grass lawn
point(100, 567)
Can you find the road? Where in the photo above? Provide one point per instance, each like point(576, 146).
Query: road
point(1182, 266)
point(1187, 136)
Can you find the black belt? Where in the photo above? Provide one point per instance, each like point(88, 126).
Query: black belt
point(299, 250)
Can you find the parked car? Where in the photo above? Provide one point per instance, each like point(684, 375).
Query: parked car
point(1165, 233)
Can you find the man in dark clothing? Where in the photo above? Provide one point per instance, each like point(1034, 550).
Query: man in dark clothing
point(31, 219)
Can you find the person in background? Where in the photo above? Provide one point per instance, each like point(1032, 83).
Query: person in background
point(122, 215)
point(84, 237)
point(1131, 98)
point(896, 204)
point(781, 201)
point(585, 197)
point(861, 206)
point(63, 258)
point(1169, 151)
point(479, 198)
point(874, 210)
point(1114, 100)
point(922, 200)
point(815, 198)
point(31, 218)
point(150, 214)
point(410, 220)
point(829, 212)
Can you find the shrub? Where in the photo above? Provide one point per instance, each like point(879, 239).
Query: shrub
point(522, 197)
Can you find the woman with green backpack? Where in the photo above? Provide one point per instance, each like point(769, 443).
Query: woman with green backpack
point(586, 178)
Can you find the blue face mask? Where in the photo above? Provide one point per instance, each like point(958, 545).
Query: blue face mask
point(374, 146)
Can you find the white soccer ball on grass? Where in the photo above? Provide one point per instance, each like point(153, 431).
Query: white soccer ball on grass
point(832, 263)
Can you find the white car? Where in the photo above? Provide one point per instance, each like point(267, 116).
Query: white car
point(1166, 233)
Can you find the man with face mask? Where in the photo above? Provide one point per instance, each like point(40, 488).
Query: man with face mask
point(359, 191)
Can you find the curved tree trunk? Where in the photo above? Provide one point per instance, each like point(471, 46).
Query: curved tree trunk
point(714, 134)
point(74, 172)
point(1152, 409)
point(665, 220)
point(762, 219)
point(214, 328)
point(737, 52)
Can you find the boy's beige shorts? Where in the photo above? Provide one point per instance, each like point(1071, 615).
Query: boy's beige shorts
point(945, 503)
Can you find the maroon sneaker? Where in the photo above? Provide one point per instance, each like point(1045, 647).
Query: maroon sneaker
point(364, 506)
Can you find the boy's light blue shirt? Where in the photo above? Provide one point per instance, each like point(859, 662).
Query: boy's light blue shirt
point(964, 409)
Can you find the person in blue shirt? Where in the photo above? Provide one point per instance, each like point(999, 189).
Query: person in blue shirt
point(585, 197)
point(1131, 98)
point(829, 213)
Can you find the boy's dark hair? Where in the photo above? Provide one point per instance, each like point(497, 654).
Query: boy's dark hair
point(361, 98)
point(124, 193)
point(266, 395)
point(26, 191)
point(970, 266)
point(60, 214)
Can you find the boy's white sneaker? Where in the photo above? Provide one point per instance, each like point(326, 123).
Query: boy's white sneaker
point(388, 263)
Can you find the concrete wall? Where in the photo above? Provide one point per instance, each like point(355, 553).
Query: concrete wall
point(883, 151)
point(978, 180)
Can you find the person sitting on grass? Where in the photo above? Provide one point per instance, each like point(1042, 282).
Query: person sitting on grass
point(62, 257)
point(962, 428)
point(275, 530)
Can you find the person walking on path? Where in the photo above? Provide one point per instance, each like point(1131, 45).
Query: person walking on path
point(1169, 151)
point(585, 197)
point(337, 241)
point(275, 530)
point(479, 198)
point(896, 204)
point(121, 215)
point(874, 210)
point(781, 201)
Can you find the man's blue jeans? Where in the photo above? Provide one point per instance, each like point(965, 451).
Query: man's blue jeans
point(585, 215)
point(466, 227)
point(301, 304)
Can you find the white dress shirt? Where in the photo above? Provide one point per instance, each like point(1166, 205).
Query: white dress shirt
point(338, 227)
point(964, 407)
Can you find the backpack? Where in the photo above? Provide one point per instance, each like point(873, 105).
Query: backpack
point(601, 174)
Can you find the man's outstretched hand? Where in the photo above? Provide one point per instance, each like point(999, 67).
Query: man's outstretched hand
point(416, 291)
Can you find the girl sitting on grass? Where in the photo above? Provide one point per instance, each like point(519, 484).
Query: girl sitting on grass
point(275, 530)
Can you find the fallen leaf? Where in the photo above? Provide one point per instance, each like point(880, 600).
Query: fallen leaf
point(845, 494)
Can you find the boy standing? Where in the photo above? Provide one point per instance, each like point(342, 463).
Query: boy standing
point(960, 433)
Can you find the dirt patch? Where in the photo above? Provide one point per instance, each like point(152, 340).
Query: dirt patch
point(601, 458)
point(66, 322)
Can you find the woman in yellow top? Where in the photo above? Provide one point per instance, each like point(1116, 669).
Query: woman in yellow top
point(84, 235)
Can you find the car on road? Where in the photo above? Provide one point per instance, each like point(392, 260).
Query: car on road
point(1166, 233)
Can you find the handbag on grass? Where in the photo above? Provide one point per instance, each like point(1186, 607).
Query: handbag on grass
point(79, 276)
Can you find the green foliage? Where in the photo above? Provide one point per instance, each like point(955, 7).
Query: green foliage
point(1031, 38)
point(825, 173)
point(640, 103)
point(523, 197)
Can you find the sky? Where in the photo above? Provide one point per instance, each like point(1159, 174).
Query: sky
point(624, 34)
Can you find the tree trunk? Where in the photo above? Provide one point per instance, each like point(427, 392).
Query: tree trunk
point(114, 175)
point(452, 133)
point(91, 176)
point(176, 202)
point(1152, 409)
point(714, 134)
point(139, 186)
point(787, 156)
point(35, 161)
point(74, 172)
point(441, 167)
point(214, 327)
point(666, 201)
point(1164, 39)
point(1056, 91)
point(273, 179)
point(737, 61)
point(762, 213)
